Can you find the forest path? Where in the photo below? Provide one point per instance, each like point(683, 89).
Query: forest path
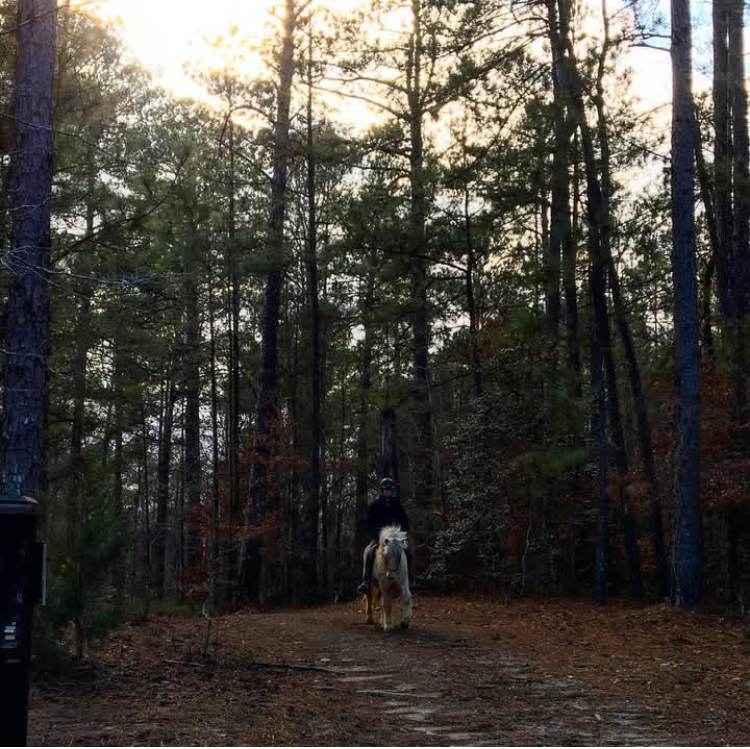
point(464, 674)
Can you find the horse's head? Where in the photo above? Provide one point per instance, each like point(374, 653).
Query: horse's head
point(393, 541)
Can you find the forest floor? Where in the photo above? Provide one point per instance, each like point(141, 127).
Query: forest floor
point(469, 671)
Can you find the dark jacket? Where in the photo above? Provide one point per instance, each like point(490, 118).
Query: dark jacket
point(383, 512)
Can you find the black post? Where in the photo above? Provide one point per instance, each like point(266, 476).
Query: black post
point(21, 573)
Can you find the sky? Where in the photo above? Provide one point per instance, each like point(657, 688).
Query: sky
point(166, 34)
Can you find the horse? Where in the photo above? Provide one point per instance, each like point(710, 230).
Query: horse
point(390, 577)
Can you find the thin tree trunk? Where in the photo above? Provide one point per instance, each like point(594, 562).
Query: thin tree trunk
point(686, 574)
point(615, 417)
point(215, 566)
point(147, 515)
point(263, 497)
point(233, 425)
point(118, 462)
point(741, 185)
point(192, 338)
point(723, 166)
point(563, 246)
point(162, 489)
point(363, 447)
point(709, 205)
point(312, 511)
point(424, 473)
point(471, 302)
point(82, 344)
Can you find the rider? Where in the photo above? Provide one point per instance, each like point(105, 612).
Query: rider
point(385, 510)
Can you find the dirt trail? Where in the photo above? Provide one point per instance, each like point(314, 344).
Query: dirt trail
point(452, 679)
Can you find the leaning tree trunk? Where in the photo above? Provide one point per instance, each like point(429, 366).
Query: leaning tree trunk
point(26, 373)
point(263, 499)
point(686, 577)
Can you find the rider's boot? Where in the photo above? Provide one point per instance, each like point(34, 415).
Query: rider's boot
point(364, 586)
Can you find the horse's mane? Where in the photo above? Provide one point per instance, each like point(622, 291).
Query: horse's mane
point(394, 532)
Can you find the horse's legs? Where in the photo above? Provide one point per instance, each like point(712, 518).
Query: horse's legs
point(387, 612)
point(407, 606)
point(370, 596)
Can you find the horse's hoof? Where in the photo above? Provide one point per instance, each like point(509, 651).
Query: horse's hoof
point(404, 625)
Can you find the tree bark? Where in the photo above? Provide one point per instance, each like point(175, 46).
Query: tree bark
point(365, 384)
point(262, 496)
point(82, 344)
point(709, 205)
point(741, 186)
point(192, 339)
point(424, 478)
point(162, 488)
point(723, 165)
point(215, 566)
point(26, 373)
point(615, 417)
point(686, 574)
point(312, 511)
point(471, 302)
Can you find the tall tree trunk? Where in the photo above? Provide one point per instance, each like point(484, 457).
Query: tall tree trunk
point(146, 492)
point(686, 577)
point(643, 428)
point(162, 488)
point(312, 510)
point(118, 462)
point(471, 302)
point(571, 85)
point(262, 496)
point(709, 206)
point(563, 249)
point(615, 417)
point(233, 375)
point(26, 373)
point(215, 566)
point(723, 167)
point(82, 345)
point(424, 468)
point(389, 462)
point(741, 185)
point(365, 384)
point(192, 376)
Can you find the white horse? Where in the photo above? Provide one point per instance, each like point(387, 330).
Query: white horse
point(390, 577)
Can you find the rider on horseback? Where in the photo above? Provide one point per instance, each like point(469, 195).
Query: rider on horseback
point(385, 510)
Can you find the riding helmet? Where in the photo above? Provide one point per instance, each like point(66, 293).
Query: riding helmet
point(387, 484)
